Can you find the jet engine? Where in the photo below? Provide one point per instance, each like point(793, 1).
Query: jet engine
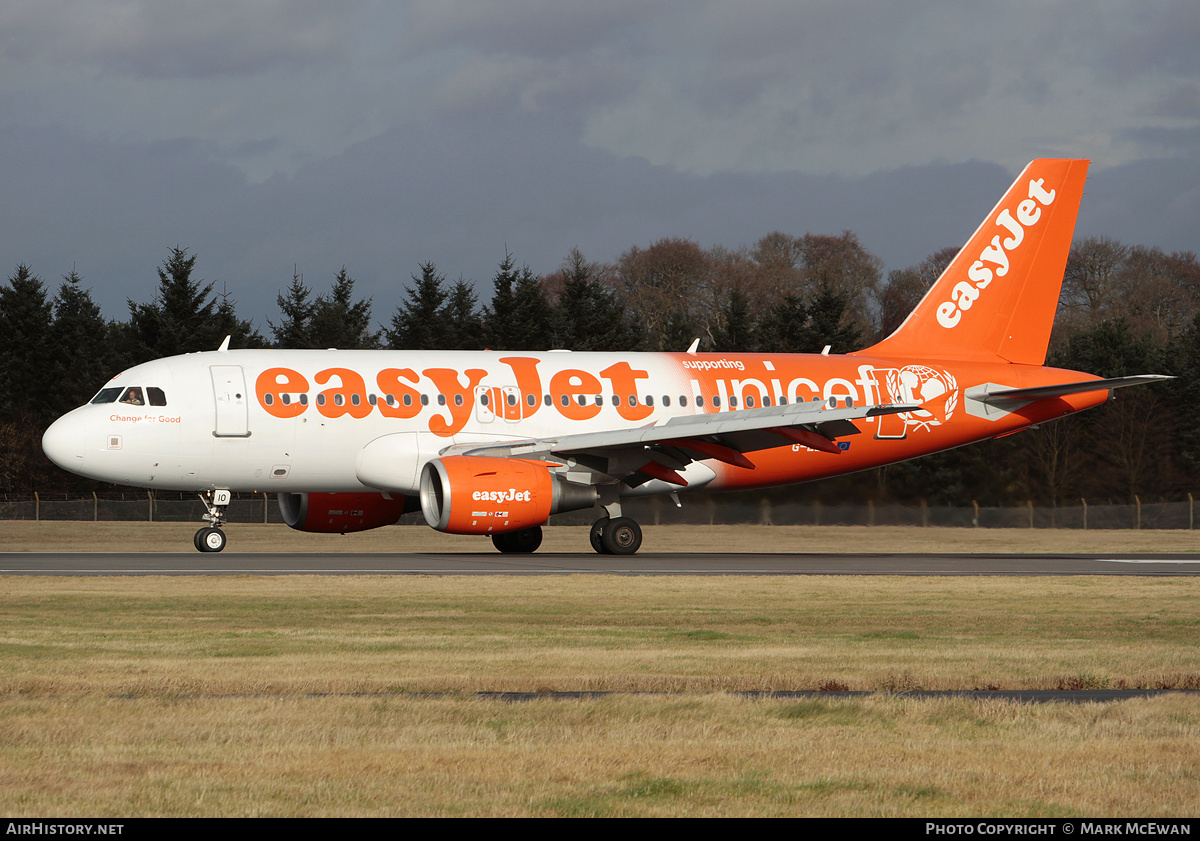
point(338, 513)
point(486, 495)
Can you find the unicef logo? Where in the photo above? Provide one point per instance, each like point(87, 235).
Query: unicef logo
point(936, 390)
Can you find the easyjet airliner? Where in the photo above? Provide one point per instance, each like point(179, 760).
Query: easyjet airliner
point(493, 443)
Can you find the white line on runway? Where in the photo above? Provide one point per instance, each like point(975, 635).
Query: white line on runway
point(1148, 560)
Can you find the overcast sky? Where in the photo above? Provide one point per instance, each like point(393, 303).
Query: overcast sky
point(379, 135)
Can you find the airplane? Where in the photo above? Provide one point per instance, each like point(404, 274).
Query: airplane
point(494, 443)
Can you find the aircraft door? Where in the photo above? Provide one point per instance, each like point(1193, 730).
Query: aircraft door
point(485, 403)
point(229, 390)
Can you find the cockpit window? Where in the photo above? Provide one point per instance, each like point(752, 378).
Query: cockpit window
point(157, 398)
point(133, 396)
point(107, 395)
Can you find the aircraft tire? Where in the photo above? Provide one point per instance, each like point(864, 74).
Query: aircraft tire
point(596, 536)
point(622, 536)
point(522, 542)
point(209, 540)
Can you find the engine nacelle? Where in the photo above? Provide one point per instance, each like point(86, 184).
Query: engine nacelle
point(486, 495)
point(338, 513)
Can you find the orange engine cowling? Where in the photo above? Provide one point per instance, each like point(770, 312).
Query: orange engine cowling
point(486, 495)
point(338, 513)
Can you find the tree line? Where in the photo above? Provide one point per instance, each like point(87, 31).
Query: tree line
point(1124, 310)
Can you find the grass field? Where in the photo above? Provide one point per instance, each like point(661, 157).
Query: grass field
point(307, 695)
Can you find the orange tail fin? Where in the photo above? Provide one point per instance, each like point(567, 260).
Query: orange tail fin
point(996, 300)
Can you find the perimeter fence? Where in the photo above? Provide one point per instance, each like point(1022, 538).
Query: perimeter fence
point(695, 509)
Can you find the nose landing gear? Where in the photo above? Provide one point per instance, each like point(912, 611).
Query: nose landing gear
point(211, 538)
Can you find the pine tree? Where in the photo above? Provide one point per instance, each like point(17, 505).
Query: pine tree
point(461, 319)
point(295, 330)
point(737, 332)
point(829, 323)
point(784, 329)
point(499, 325)
point(180, 318)
point(588, 317)
point(80, 337)
point(339, 321)
point(419, 322)
point(26, 347)
point(532, 312)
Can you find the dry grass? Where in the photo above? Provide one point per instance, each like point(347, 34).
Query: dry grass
point(133, 696)
point(616, 756)
point(162, 635)
point(28, 536)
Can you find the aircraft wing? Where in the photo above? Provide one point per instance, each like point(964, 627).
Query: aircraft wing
point(658, 451)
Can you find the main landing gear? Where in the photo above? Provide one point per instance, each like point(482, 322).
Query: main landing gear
point(616, 536)
point(211, 538)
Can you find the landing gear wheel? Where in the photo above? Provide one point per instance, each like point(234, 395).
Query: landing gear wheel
point(621, 536)
point(209, 540)
point(597, 535)
point(522, 542)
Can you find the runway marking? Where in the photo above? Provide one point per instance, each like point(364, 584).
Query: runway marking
point(1148, 560)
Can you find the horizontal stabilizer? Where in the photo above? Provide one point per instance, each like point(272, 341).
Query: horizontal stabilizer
point(1044, 391)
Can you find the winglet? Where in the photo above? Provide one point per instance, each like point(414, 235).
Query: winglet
point(996, 300)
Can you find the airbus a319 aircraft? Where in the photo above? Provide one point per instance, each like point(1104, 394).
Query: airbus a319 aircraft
point(494, 443)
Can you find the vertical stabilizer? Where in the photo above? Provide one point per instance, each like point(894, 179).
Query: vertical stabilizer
point(996, 301)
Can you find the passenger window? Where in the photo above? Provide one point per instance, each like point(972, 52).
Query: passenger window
point(321, 399)
point(750, 402)
point(483, 399)
point(700, 401)
point(441, 400)
point(458, 400)
point(531, 399)
point(717, 401)
point(425, 399)
point(107, 395)
point(157, 398)
point(285, 399)
point(682, 400)
point(666, 400)
point(510, 399)
point(303, 399)
point(649, 399)
point(733, 402)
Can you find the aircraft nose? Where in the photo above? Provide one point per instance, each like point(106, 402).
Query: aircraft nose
point(63, 442)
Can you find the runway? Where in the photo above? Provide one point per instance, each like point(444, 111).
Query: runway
point(586, 563)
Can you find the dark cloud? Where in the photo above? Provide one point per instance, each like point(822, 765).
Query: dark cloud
point(379, 136)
